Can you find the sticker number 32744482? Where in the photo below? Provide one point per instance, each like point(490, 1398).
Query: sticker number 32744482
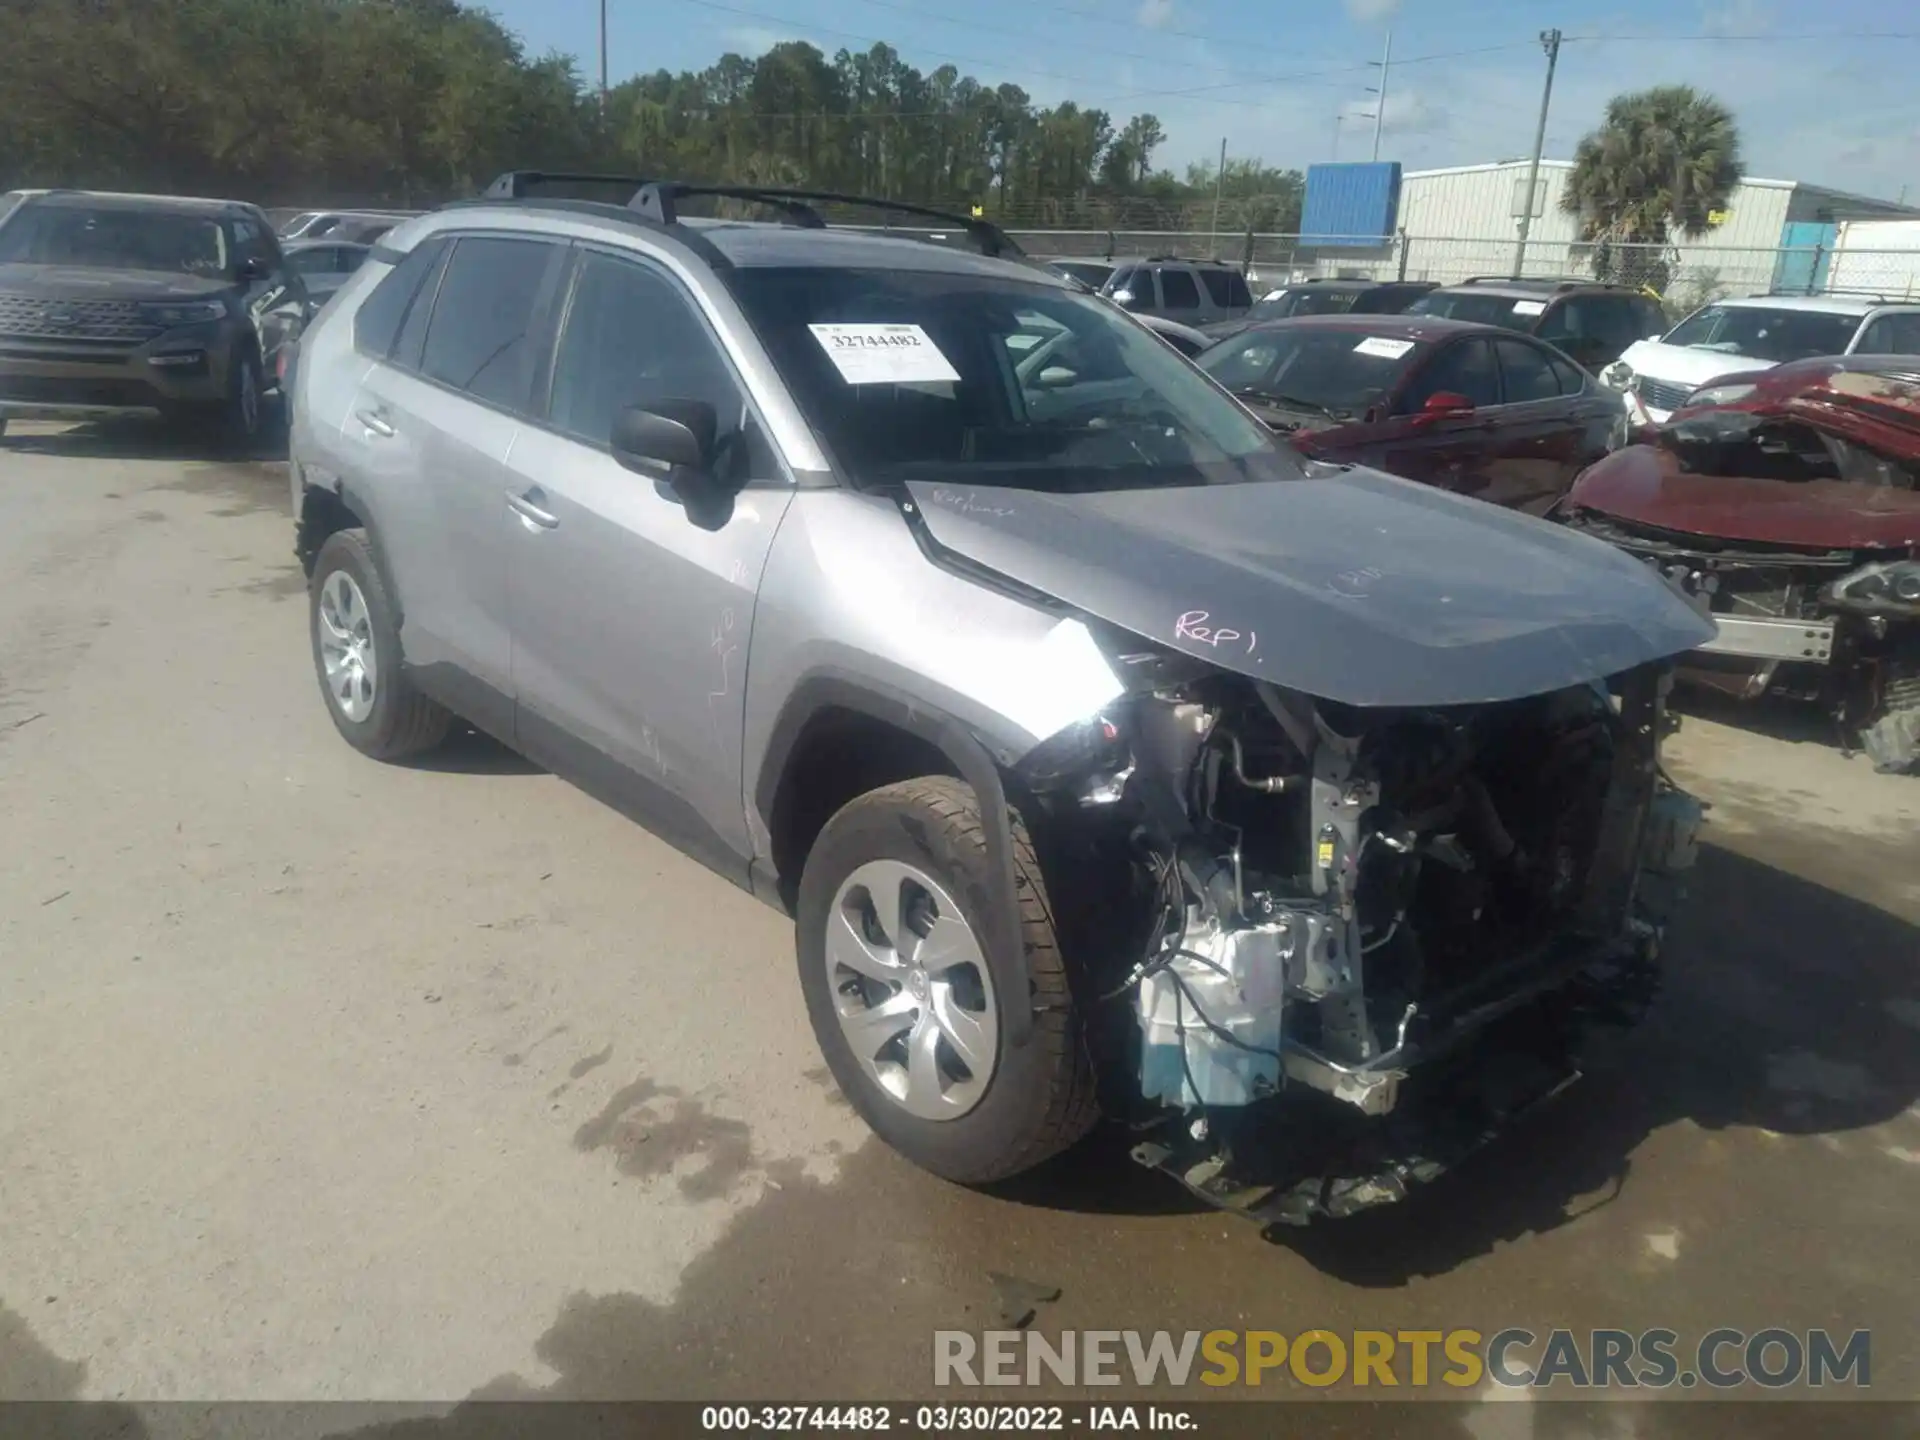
point(883, 354)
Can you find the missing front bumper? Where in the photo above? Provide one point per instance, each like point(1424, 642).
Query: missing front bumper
point(1306, 1155)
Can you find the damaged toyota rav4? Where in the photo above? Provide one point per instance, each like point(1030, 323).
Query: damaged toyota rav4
point(1111, 757)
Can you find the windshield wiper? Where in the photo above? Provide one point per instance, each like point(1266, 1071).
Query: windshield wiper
point(1294, 402)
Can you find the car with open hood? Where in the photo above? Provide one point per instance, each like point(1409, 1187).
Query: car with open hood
point(1474, 409)
point(1785, 504)
point(1656, 375)
point(1111, 756)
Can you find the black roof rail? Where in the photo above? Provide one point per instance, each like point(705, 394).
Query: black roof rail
point(658, 200)
point(1546, 282)
point(525, 184)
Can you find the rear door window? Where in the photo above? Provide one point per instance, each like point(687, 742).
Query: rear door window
point(376, 324)
point(481, 338)
point(1178, 291)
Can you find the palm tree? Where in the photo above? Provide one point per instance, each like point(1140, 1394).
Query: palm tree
point(1661, 162)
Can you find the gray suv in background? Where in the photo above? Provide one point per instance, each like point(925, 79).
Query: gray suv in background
point(1193, 292)
point(112, 303)
point(1110, 756)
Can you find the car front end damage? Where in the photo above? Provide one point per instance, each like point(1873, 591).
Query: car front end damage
point(1350, 944)
point(1793, 523)
point(1353, 856)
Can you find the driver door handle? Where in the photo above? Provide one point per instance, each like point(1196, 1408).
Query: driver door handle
point(526, 506)
point(376, 422)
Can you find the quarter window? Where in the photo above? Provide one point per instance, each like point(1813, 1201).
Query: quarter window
point(480, 336)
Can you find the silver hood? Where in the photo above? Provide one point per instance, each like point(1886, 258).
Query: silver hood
point(1348, 585)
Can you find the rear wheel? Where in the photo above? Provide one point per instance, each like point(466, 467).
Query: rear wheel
point(356, 654)
point(892, 909)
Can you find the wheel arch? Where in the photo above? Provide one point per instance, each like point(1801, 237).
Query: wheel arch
point(838, 737)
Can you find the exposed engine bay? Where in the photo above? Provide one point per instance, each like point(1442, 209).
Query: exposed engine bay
point(1343, 919)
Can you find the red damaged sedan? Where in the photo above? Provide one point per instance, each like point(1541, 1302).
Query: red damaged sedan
point(1785, 503)
point(1471, 408)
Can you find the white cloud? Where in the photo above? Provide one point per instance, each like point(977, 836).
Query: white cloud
point(1369, 11)
point(753, 40)
point(1154, 13)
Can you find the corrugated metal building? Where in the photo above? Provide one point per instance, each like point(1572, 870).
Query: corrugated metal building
point(1465, 220)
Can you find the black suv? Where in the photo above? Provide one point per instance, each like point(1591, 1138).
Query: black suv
point(1326, 296)
point(131, 303)
point(1590, 320)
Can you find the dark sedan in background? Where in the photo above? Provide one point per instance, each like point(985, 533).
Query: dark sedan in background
point(1470, 408)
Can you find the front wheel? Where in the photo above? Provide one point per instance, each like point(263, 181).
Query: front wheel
point(904, 1004)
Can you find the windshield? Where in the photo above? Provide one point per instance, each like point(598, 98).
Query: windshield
point(1341, 372)
point(1304, 302)
point(1760, 333)
point(991, 381)
point(1515, 314)
point(116, 239)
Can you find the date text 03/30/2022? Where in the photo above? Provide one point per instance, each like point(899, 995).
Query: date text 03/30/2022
point(944, 1419)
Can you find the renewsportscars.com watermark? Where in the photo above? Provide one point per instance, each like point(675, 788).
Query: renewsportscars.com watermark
point(1724, 1359)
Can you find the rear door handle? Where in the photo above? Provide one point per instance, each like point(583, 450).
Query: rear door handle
point(376, 422)
point(527, 508)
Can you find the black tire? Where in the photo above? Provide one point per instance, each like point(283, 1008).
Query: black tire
point(240, 419)
point(402, 721)
point(1041, 1098)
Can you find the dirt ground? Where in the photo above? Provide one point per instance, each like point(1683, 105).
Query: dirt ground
point(327, 1080)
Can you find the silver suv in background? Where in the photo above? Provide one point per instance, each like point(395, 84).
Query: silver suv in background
point(1193, 292)
point(1110, 756)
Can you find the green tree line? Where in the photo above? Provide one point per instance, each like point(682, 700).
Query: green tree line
point(411, 102)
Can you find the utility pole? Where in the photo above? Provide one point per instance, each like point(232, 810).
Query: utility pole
point(1550, 41)
point(603, 58)
point(1380, 102)
point(1219, 183)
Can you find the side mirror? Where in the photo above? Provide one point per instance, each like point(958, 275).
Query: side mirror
point(666, 442)
point(251, 268)
point(1054, 377)
point(1446, 402)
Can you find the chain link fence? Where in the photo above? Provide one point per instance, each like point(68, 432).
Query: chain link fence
point(1685, 277)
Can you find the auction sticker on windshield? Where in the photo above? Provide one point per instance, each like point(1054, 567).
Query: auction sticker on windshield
point(1529, 307)
point(883, 354)
point(1385, 348)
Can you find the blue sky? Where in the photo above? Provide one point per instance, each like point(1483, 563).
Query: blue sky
point(1824, 93)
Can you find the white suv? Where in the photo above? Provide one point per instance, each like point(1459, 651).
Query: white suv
point(1754, 333)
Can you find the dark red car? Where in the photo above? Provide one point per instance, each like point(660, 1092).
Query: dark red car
point(1467, 407)
point(1786, 504)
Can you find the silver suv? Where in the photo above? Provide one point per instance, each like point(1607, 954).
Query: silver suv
point(1109, 756)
